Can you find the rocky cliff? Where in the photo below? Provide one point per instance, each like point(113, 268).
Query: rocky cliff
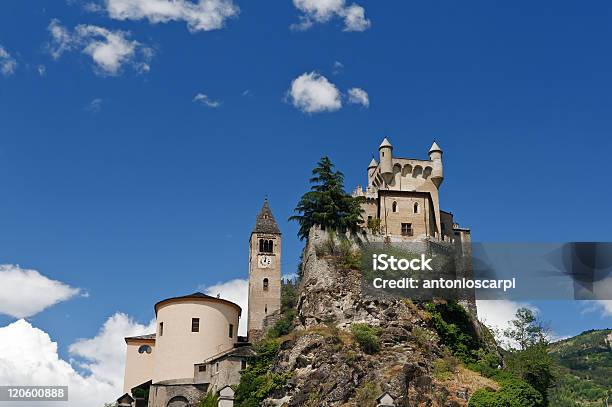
point(327, 365)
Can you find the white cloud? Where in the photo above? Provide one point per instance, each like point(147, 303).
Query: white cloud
point(8, 64)
point(95, 105)
point(358, 96)
point(24, 293)
point(104, 355)
point(109, 50)
point(602, 306)
point(313, 93)
point(338, 67)
point(206, 100)
point(321, 11)
point(236, 291)
point(28, 356)
point(204, 15)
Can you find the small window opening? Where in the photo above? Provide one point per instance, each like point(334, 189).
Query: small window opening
point(406, 229)
point(266, 284)
point(231, 330)
point(202, 368)
point(161, 328)
point(394, 206)
point(195, 324)
point(144, 349)
point(243, 364)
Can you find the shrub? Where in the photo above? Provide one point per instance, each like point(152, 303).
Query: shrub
point(422, 337)
point(367, 338)
point(210, 400)
point(257, 380)
point(374, 225)
point(343, 255)
point(513, 393)
point(445, 367)
point(283, 326)
point(454, 326)
point(366, 395)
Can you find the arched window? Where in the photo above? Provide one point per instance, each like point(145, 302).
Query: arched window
point(266, 246)
point(394, 206)
point(144, 349)
point(266, 284)
point(416, 207)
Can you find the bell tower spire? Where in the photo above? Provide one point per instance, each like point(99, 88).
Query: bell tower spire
point(264, 271)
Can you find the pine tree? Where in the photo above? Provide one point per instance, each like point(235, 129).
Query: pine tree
point(327, 204)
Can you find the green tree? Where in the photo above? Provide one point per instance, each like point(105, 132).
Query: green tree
point(526, 329)
point(327, 204)
point(531, 362)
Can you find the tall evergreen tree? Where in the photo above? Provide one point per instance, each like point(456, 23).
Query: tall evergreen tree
point(327, 204)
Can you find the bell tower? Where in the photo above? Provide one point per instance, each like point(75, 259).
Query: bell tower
point(264, 271)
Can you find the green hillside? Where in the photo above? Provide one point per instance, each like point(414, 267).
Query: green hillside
point(584, 372)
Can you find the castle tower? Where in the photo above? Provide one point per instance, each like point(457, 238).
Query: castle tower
point(264, 271)
point(435, 155)
point(371, 170)
point(386, 160)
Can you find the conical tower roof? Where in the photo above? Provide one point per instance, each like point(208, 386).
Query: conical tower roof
point(385, 143)
point(265, 222)
point(435, 147)
point(373, 163)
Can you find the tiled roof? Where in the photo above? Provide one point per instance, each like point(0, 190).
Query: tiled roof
point(265, 222)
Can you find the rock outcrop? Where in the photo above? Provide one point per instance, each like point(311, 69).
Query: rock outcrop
point(327, 365)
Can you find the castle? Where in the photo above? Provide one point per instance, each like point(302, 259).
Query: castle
point(196, 348)
point(402, 198)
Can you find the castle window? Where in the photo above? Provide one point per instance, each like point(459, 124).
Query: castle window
point(195, 324)
point(161, 328)
point(266, 309)
point(144, 349)
point(406, 229)
point(243, 364)
point(231, 331)
point(266, 284)
point(202, 368)
point(416, 207)
point(394, 206)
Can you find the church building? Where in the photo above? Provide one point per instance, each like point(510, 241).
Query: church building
point(196, 348)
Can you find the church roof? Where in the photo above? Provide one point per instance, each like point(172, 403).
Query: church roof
point(265, 222)
point(385, 143)
point(149, 337)
point(196, 296)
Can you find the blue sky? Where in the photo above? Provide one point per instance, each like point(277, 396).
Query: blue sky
point(120, 184)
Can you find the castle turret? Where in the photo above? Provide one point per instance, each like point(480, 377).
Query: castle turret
point(435, 155)
point(371, 170)
point(386, 160)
